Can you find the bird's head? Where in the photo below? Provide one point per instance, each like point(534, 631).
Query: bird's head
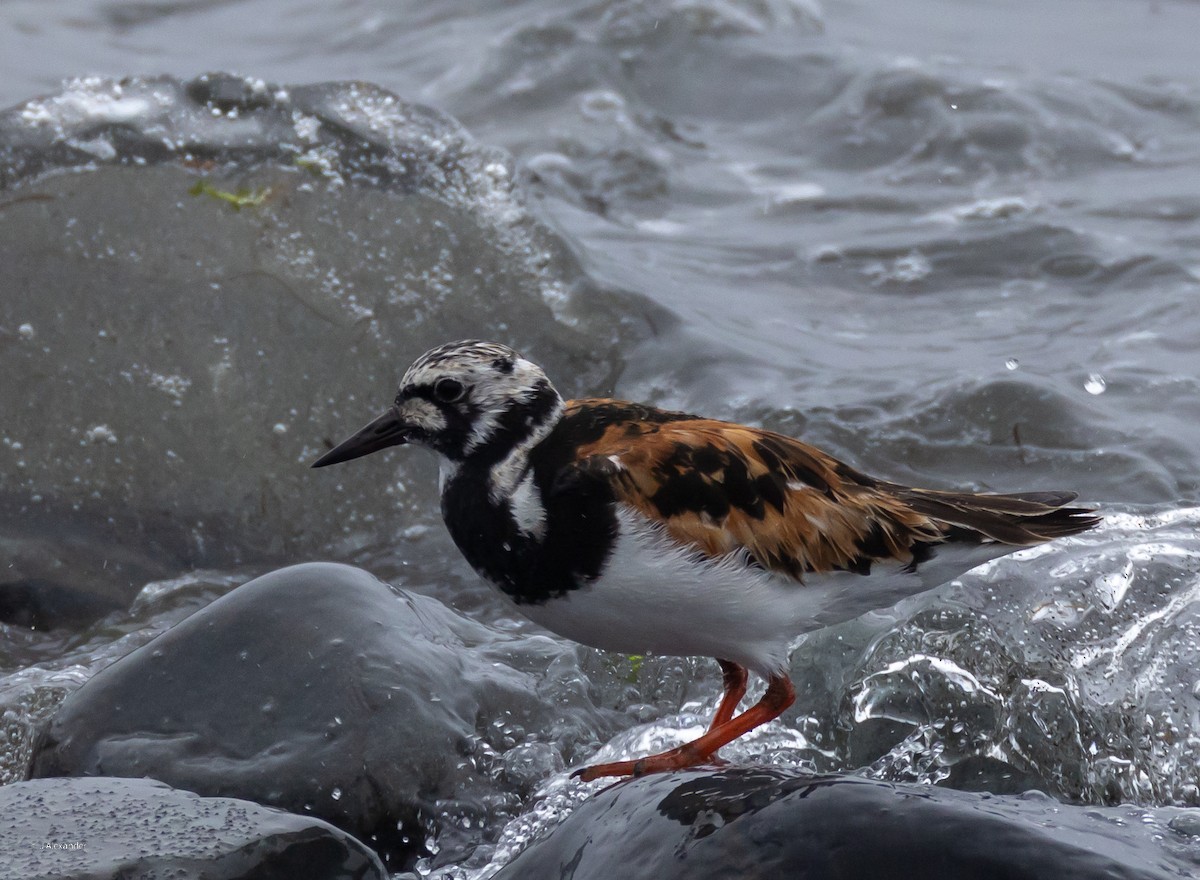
point(467, 400)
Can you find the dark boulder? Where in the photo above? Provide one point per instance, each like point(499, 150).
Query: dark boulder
point(769, 823)
point(137, 829)
point(321, 690)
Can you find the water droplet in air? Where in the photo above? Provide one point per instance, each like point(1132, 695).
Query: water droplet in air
point(336, 794)
point(1095, 384)
point(1011, 364)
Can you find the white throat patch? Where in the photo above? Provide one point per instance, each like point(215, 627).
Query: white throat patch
point(510, 478)
point(527, 509)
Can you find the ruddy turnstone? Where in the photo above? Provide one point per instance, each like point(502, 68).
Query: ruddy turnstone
point(635, 529)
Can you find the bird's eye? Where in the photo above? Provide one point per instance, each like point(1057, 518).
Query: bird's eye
point(449, 390)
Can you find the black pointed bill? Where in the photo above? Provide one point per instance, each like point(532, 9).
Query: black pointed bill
point(389, 429)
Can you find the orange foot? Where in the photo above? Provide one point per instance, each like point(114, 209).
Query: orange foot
point(778, 697)
point(676, 759)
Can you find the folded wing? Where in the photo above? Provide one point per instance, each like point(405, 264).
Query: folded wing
point(723, 488)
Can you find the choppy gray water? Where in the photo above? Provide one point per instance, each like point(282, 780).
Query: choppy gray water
point(955, 244)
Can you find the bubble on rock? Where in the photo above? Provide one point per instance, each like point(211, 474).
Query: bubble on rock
point(171, 385)
point(100, 434)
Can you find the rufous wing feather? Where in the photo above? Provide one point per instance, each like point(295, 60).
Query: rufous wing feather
point(722, 488)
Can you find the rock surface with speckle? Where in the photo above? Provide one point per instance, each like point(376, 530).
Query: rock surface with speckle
point(137, 829)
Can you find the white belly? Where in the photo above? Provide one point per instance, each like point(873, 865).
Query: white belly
point(655, 597)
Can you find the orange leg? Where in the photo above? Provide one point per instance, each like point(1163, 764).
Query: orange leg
point(735, 688)
point(780, 694)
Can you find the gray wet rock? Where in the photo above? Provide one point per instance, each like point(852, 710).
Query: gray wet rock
point(767, 822)
point(321, 690)
point(207, 283)
point(71, 829)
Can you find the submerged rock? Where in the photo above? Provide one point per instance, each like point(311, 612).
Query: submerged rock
point(63, 829)
point(207, 283)
point(766, 822)
point(320, 690)
point(67, 573)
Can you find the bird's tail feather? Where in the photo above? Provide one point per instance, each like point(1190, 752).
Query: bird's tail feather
point(1020, 519)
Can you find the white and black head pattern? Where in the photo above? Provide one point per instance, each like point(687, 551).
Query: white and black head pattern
point(476, 401)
